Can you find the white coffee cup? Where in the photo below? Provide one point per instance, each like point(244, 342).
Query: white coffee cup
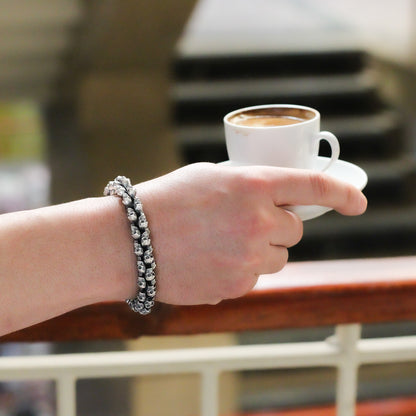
point(282, 135)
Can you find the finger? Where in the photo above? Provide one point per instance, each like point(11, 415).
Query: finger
point(275, 258)
point(305, 187)
point(288, 229)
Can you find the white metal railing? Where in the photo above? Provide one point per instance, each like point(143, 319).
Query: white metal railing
point(345, 350)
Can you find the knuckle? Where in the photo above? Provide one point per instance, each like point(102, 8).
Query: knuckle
point(247, 264)
point(350, 195)
point(248, 260)
point(250, 182)
point(257, 223)
point(319, 184)
point(297, 231)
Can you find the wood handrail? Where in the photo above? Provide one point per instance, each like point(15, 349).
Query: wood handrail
point(304, 294)
point(400, 406)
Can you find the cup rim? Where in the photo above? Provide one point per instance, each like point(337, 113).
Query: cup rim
point(258, 107)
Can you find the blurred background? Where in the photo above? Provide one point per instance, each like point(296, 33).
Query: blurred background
point(90, 89)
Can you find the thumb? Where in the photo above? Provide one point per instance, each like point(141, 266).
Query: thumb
point(305, 187)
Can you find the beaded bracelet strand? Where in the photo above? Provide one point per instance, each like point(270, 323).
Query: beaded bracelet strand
point(146, 277)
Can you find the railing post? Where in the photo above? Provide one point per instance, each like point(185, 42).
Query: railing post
point(66, 395)
point(346, 338)
point(209, 392)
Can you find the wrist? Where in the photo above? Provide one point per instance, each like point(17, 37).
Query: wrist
point(116, 280)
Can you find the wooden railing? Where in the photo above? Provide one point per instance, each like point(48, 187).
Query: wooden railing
point(344, 293)
point(304, 294)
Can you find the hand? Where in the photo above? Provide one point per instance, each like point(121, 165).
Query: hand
point(215, 228)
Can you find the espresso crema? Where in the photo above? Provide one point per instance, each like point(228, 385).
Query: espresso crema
point(270, 117)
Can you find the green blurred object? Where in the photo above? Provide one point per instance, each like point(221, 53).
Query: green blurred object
point(22, 133)
point(24, 174)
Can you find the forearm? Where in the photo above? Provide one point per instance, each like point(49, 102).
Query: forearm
point(59, 258)
point(214, 229)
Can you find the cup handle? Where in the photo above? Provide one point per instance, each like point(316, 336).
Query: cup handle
point(333, 142)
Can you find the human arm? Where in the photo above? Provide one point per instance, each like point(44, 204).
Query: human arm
point(214, 230)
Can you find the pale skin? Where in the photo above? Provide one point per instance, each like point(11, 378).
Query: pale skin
point(214, 230)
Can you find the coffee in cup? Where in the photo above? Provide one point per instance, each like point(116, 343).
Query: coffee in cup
point(278, 135)
point(269, 117)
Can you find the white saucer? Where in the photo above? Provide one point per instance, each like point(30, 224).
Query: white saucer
point(342, 170)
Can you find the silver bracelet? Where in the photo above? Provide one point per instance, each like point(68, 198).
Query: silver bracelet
point(146, 277)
